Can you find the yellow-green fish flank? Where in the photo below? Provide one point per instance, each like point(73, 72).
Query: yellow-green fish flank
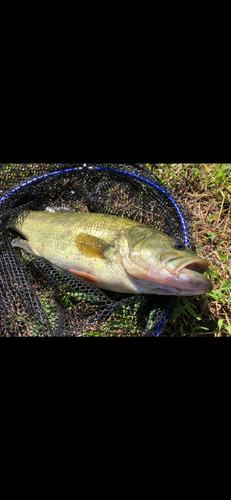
point(114, 253)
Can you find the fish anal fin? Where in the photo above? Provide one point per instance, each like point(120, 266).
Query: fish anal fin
point(90, 246)
point(24, 244)
point(85, 275)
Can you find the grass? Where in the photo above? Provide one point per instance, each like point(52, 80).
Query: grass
point(206, 189)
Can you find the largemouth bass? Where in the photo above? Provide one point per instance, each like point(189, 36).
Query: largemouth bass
point(114, 253)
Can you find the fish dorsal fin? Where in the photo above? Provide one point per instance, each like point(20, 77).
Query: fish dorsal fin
point(91, 246)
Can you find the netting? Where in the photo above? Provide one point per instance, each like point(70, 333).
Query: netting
point(38, 298)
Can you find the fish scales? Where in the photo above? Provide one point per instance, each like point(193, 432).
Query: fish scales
point(106, 227)
point(114, 253)
point(75, 242)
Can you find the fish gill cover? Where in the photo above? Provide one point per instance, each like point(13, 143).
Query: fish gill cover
point(38, 298)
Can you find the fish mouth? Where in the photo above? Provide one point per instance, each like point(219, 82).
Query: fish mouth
point(178, 275)
point(176, 265)
point(186, 273)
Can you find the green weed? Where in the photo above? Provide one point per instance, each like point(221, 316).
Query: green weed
point(191, 315)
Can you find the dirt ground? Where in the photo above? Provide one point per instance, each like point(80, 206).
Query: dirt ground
point(212, 234)
point(213, 222)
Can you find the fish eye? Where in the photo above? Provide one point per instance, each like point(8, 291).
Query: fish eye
point(179, 245)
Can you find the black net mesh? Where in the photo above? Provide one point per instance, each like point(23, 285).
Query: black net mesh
point(36, 297)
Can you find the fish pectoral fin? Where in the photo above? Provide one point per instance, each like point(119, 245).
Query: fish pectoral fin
point(91, 247)
point(24, 244)
point(85, 275)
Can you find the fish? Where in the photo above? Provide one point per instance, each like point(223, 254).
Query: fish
point(114, 253)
